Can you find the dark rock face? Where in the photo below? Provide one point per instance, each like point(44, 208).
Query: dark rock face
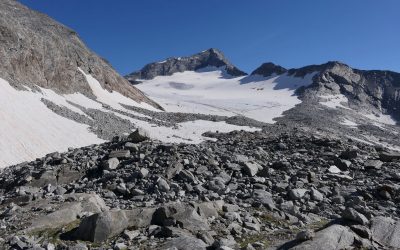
point(268, 69)
point(374, 91)
point(211, 57)
point(38, 51)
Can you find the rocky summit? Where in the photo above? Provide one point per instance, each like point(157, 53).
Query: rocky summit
point(200, 61)
point(273, 189)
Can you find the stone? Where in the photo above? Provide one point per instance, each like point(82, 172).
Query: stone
point(352, 215)
point(130, 235)
point(251, 168)
point(101, 226)
point(342, 164)
point(120, 154)
point(111, 164)
point(331, 238)
point(373, 164)
point(316, 195)
point(362, 231)
point(297, 194)
point(386, 231)
point(139, 135)
point(187, 176)
point(163, 185)
point(389, 156)
point(349, 154)
point(69, 212)
point(305, 235)
point(334, 170)
point(143, 173)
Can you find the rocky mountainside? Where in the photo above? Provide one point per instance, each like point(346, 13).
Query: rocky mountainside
point(208, 58)
point(274, 189)
point(37, 51)
point(373, 91)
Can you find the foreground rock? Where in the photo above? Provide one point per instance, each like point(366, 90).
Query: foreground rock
point(244, 191)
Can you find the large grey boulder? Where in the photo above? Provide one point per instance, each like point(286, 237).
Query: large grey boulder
point(386, 231)
point(67, 212)
point(352, 215)
point(331, 238)
point(101, 226)
point(138, 135)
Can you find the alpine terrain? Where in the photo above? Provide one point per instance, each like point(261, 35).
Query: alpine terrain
point(191, 152)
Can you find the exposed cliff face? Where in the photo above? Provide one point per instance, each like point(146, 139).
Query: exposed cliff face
point(211, 57)
point(38, 51)
point(369, 90)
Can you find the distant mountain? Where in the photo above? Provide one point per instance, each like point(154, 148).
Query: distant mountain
point(208, 58)
point(376, 91)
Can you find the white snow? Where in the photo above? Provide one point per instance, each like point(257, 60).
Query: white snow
point(334, 101)
point(187, 132)
point(29, 129)
point(212, 92)
point(385, 119)
point(113, 99)
point(349, 123)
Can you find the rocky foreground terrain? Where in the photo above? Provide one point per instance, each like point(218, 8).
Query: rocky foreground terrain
point(274, 189)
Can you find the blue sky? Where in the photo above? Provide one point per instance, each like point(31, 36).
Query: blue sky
point(130, 33)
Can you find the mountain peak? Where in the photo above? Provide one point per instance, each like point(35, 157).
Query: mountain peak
point(268, 69)
point(208, 58)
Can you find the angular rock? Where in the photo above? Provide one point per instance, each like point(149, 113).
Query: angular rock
point(352, 215)
point(111, 164)
point(139, 135)
point(331, 238)
point(297, 194)
point(386, 231)
point(251, 168)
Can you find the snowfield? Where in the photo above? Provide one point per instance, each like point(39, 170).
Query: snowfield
point(211, 91)
point(30, 130)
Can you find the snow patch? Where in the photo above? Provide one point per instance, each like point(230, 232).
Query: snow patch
point(187, 132)
point(349, 123)
point(113, 99)
point(212, 92)
point(385, 119)
point(30, 130)
point(334, 101)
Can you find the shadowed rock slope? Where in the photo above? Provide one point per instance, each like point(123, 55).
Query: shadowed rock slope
point(375, 91)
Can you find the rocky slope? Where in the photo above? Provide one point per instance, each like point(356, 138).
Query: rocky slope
point(38, 51)
point(276, 189)
point(208, 58)
point(373, 91)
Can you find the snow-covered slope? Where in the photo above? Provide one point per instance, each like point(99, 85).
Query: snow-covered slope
point(29, 129)
point(209, 91)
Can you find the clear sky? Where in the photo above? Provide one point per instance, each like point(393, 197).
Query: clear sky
point(293, 33)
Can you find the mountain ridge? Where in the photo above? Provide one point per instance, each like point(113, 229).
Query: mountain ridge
point(211, 57)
